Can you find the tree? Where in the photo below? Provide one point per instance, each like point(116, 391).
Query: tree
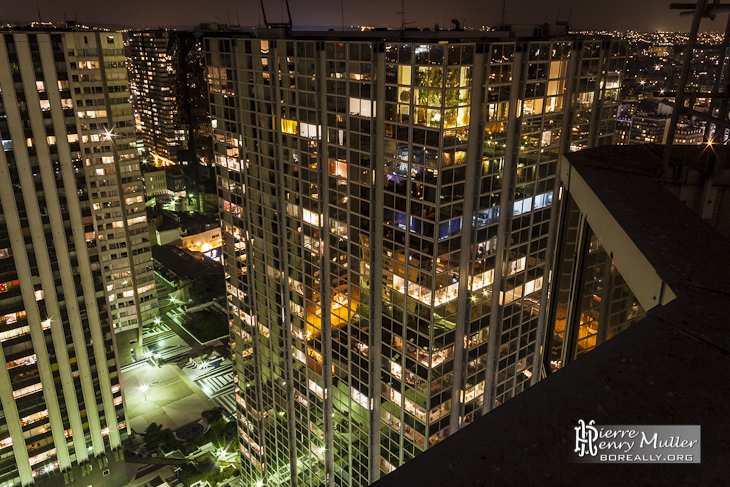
point(155, 436)
point(212, 415)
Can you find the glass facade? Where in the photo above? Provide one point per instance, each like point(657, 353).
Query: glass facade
point(593, 302)
point(386, 209)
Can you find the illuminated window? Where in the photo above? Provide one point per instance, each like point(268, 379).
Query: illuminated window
point(362, 107)
point(338, 168)
point(28, 390)
point(310, 131)
point(289, 126)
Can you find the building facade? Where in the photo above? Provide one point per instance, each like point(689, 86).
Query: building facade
point(152, 77)
point(647, 122)
point(168, 85)
point(646, 129)
point(72, 239)
point(386, 201)
point(116, 187)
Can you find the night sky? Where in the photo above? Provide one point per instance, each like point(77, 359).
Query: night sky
point(587, 14)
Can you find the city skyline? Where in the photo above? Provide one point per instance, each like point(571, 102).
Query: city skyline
point(587, 15)
point(411, 228)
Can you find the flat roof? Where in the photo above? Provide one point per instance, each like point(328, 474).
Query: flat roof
point(183, 263)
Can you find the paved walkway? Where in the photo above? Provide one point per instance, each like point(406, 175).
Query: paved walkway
point(175, 393)
point(169, 398)
point(216, 382)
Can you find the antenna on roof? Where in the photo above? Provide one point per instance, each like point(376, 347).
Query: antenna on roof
point(40, 20)
point(403, 13)
point(566, 23)
point(288, 12)
point(263, 12)
point(277, 25)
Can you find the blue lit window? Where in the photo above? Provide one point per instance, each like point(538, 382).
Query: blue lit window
point(449, 228)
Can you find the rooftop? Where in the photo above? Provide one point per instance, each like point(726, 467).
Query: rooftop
point(190, 223)
point(175, 262)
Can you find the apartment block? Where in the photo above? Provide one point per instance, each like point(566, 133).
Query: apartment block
point(153, 87)
point(116, 188)
point(386, 200)
point(167, 77)
point(73, 255)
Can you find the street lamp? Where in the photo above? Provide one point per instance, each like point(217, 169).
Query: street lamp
point(143, 389)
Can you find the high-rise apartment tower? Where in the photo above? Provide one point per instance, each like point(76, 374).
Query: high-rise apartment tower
point(100, 86)
point(167, 76)
point(152, 75)
point(386, 201)
point(75, 261)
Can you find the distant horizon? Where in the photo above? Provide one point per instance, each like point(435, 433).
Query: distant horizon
point(192, 27)
point(593, 15)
